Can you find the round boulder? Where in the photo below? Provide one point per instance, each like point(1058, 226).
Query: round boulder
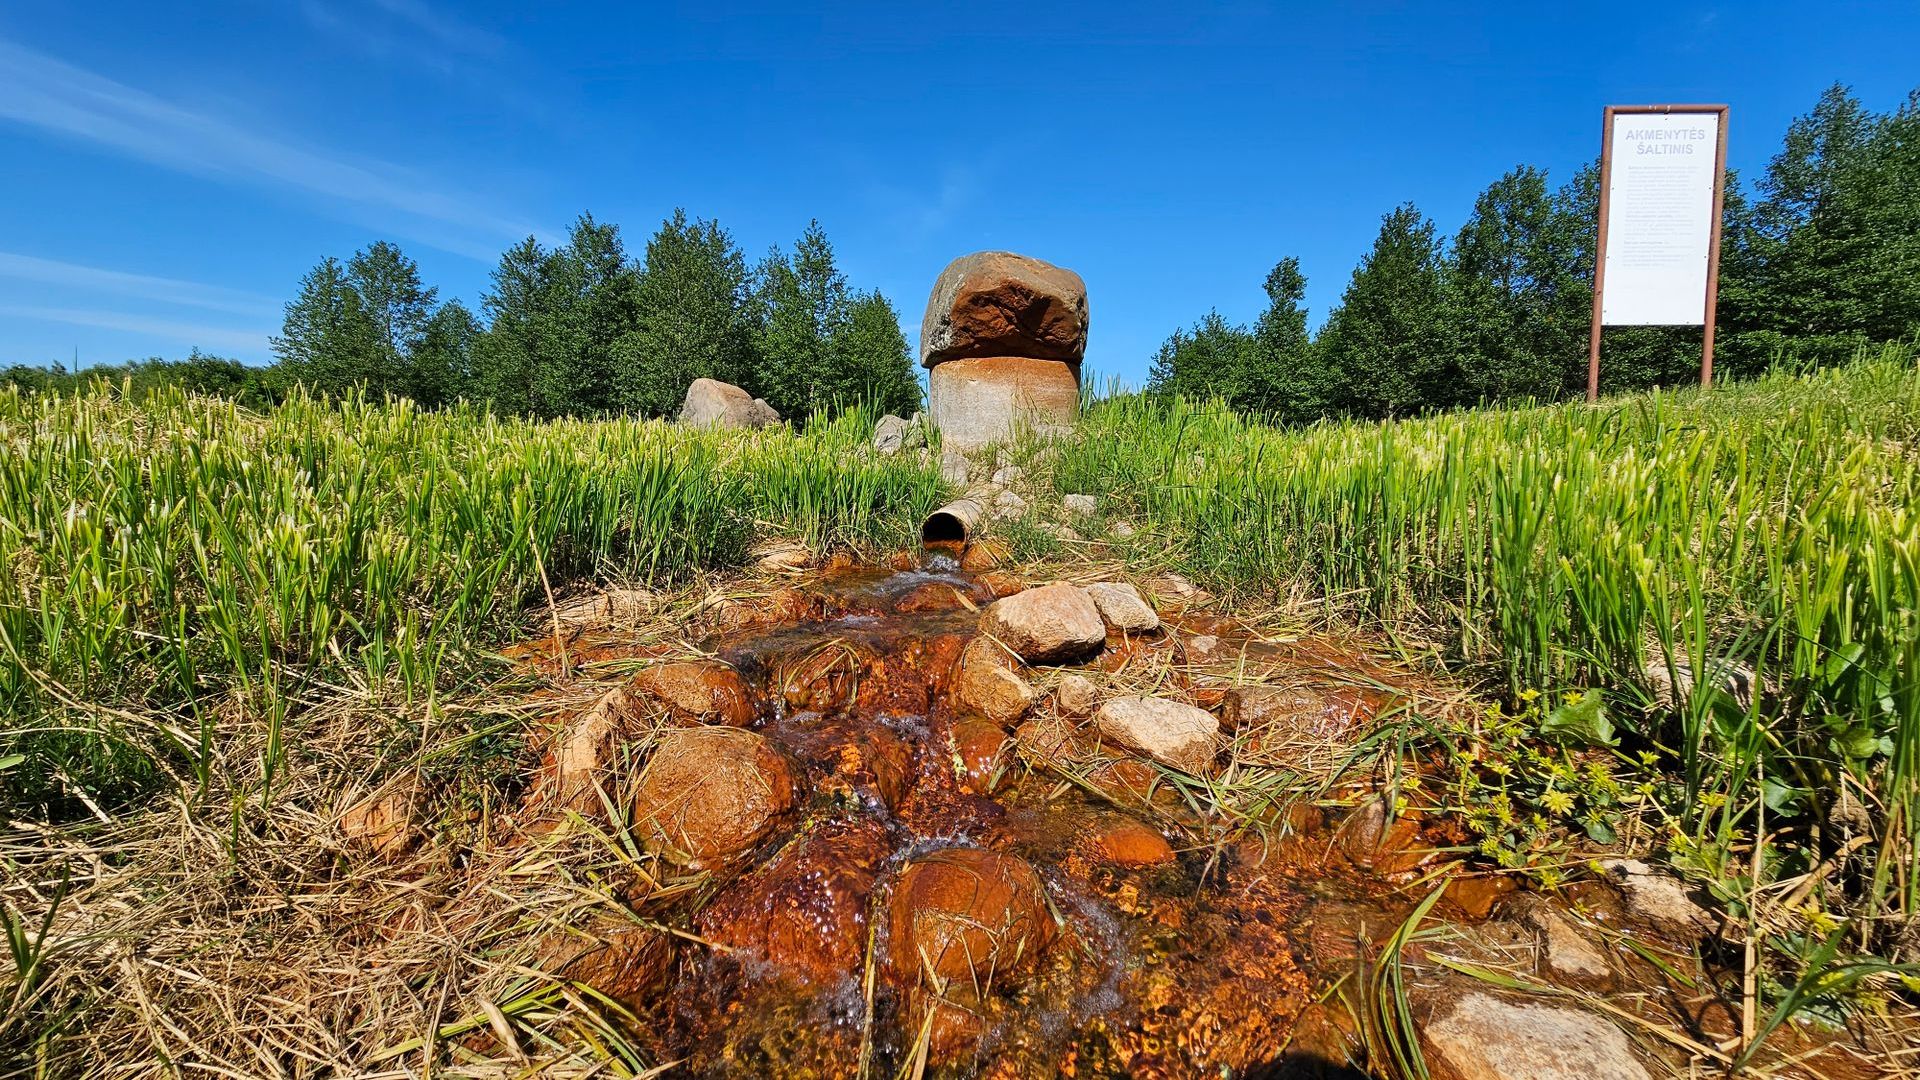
point(710, 794)
point(1170, 732)
point(996, 303)
point(966, 916)
point(703, 691)
point(712, 403)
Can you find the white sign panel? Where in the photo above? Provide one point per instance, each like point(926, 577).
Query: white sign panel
point(1659, 218)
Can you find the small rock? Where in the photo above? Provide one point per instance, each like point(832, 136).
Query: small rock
point(614, 607)
point(987, 684)
point(625, 962)
point(700, 691)
point(1061, 532)
point(712, 403)
point(1672, 688)
point(780, 556)
point(1008, 505)
point(980, 748)
point(710, 794)
point(1123, 530)
point(1374, 839)
point(1564, 950)
point(1079, 504)
point(984, 554)
point(1123, 841)
point(953, 466)
point(1178, 591)
point(586, 748)
point(1201, 647)
point(383, 821)
point(1121, 606)
point(1076, 697)
point(890, 435)
point(965, 915)
point(1053, 624)
point(1656, 897)
point(1007, 474)
point(1170, 732)
point(1477, 1036)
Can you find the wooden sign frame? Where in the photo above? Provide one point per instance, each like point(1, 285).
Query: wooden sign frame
point(1713, 241)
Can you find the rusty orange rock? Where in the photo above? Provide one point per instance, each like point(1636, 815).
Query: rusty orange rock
point(711, 793)
point(980, 747)
point(805, 911)
point(1123, 841)
point(997, 303)
point(702, 691)
point(966, 917)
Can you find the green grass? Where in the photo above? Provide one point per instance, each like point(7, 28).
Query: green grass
point(1768, 524)
point(172, 558)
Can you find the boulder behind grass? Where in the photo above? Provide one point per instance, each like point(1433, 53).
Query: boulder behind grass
point(712, 403)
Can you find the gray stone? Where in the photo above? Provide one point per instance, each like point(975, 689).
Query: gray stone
point(1564, 950)
point(1656, 897)
point(890, 435)
point(712, 403)
point(953, 466)
point(1076, 697)
point(1079, 504)
point(1477, 1036)
point(1121, 605)
point(1007, 474)
point(1007, 504)
point(1170, 732)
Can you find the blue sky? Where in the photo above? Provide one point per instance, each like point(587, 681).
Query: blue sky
point(166, 175)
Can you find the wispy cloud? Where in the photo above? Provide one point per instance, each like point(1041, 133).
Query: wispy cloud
point(226, 339)
point(46, 93)
point(19, 267)
point(403, 30)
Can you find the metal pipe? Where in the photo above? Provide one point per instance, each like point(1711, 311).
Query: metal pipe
point(953, 523)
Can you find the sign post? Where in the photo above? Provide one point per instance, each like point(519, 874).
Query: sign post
point(1662, 170)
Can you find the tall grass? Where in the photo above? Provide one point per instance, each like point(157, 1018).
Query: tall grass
point(1768, 525)
point(168, 558)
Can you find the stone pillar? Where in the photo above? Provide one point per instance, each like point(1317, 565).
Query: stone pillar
point(1003, 337)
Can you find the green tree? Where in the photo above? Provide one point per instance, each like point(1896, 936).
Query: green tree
point(690, 318)
point(1387, 347)
point(870, 350)
point(397, 305)
point(506, 356)
point(1515, 293)
point(441, 370)
point(800, 304)
point(1211, 360)
point(1286, 379)
point(328, 340)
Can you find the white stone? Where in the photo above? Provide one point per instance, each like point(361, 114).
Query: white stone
point(1481, 1037)
point(712, 403)
point(1079, 504)
point(1170, 732)
point(1049, 625)
point(1123, 608)
point(1656, 897)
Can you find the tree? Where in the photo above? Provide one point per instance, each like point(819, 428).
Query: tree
point(505, 356)
point(1209, 361)
point(872, 352)
point(1515, 292)
point(1387, 347)
point(690, 318)
point(1287, 379)
point(800, 305)
point(398, 307)
point(442, 367)
point(328, 340)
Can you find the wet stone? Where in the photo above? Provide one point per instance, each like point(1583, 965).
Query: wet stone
point(700, 691)
point(980, 748)
point(709, 794)
point(986, 683)
point(1076, 696)
point(966, 916)
point(1123, 841)
point(804, 911)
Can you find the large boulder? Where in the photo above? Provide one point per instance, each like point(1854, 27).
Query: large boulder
point(981, 400)
point(805, 911)
point(996, 303)
point(1053, 624)
point(965, 915)
point(710, 794)
point(1170, 732)
point(702, 691)
point(712, 403)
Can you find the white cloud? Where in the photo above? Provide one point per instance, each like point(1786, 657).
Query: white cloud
point(218, 338)
point(119, 283)
point(42, 92)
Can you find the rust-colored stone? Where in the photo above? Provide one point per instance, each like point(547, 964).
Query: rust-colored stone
point(700, 691)
point(805, 910)
point(988, 681)
point(383, 821)
point(625, 962)
point(711, 793)
point(985, 554)
point(967, 917)
point(1123, 841)
point(583, 751)
point(997, 303)
point(979, 748)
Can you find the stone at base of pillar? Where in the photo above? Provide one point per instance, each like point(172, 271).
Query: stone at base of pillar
point(985, 399)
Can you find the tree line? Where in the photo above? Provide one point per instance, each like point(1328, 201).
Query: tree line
point(1824, 258)
point(584, 329)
